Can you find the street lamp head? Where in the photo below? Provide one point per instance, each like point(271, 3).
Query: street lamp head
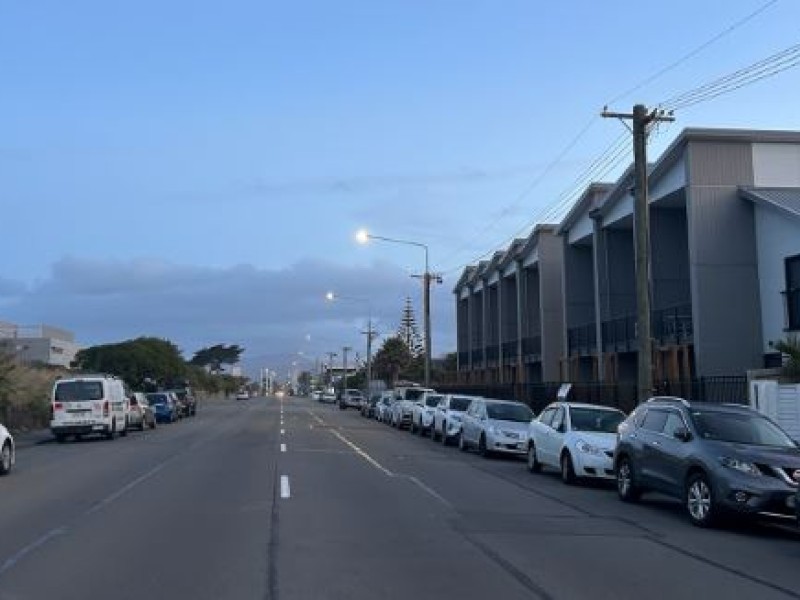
point(330, 296)
point(362, 236)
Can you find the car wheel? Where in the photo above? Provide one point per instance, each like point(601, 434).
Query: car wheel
point(534, 466)
point(60, 438)
point(413, 427)
point(482, 449)
point(567, 469)
point(627, 489)
point(5, 459)
point(700, 501)
point(111, 430)
point(153, 423)
point(462, 443)
point(443, 435)
point(124, 431)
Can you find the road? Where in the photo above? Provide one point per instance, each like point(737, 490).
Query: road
point(291, 499)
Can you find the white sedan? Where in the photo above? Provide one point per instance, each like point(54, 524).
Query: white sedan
point(495, 426)
point(423, 412)
point(577, 439)
point(448, 417)
point(7, 451)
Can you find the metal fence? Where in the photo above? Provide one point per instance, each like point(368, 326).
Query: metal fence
point(620, 395)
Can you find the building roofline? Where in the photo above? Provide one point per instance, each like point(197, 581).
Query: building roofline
point(582, 204)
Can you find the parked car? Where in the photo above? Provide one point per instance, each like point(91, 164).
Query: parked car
point(89, 404)
point(448, 416)
point(423, 411)
point(495, 426)
point(140, 414)
point(350, 399)
point(7, 451)
point(715, 458)
point(164, 407)
point(316, 395)
point(242, 395)
point(187, 401)
point(577, 439)
point(328, 396)
point(369, 407)
point(383, 410)
point(403, 408)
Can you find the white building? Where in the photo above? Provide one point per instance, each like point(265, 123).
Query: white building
point(39, 344)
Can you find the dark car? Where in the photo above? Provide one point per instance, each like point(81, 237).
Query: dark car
point(164, 407)
point(368, 407)
point(716, 458)
point(187, 401)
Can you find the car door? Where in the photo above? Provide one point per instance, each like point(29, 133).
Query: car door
point(538, 429)
point(648, 441)
point(471, 422)
point(550, 438)
point(668, 455)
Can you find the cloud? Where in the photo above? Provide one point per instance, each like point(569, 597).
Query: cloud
point(274, 314)
point(10, 288)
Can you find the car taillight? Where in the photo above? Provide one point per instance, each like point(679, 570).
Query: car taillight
point(105, 408)
point(58, 406)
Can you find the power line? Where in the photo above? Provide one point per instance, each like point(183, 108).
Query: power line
point(692, 53)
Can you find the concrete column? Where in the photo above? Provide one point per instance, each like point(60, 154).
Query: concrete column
point(598, 250)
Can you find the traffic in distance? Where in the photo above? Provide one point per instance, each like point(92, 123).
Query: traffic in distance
point(719, 460)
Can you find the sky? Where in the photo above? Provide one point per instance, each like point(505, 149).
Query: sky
point(197, 170)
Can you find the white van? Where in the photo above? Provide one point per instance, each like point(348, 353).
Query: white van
point(89, 404)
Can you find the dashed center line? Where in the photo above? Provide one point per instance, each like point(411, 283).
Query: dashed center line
point(283, 447)
point(285, 491)
point(283, 432)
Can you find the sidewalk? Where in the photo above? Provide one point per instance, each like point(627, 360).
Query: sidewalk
point(35, 437)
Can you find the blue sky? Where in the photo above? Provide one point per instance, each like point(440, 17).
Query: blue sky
point(196, 170)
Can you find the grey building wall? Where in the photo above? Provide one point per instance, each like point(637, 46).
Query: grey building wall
point(510, 315)
point(551, 268)
point(722, 257)
point(533, 311)
point(578, 285)
point(669, 241)
point(476, 321)
point(618, 285)
point(491, 316)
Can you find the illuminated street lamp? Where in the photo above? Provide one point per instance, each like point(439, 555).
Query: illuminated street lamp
point(363, 237)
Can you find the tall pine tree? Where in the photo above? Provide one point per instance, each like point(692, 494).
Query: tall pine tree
point(409, 333)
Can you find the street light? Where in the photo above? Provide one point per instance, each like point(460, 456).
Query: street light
point(362, 237)
point(332, 297)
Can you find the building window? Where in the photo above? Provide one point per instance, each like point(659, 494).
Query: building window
point(792, 293)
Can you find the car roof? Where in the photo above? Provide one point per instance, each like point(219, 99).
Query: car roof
point(499, 401)
point(586, 405)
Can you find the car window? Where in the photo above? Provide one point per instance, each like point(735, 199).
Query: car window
point(655, 420)
point(740, 428)
point(459, 403)
point(673, 423)
point(516, 412)
point(595, 419)
point(558, 418)
point(546, 418)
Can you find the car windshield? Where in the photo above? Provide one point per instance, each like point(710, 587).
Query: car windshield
point(460, 403)
point(79, 391)
point(153, 399)
point(432, 400)
point(508, 411)
point(740, 428)
point(595, 419)
point(414, 394)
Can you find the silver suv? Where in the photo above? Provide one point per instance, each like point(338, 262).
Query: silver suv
point(716, 458)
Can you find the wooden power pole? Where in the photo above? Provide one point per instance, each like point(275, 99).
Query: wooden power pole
point(642, 119)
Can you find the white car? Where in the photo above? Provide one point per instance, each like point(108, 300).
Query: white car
point(403, 408)
point(495, 426)
point(423, 411)
point(7, 451)
point(448, 417)
point(577, 439)
point(383, 409)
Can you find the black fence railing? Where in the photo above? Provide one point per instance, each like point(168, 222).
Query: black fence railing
point(673, 325)
point(532, 346)
point(492, 352)
point(582, 340)
point(619, 335)
point(622, 395)
point(510, 351)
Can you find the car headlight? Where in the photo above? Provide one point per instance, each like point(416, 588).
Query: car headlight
point(740, 465)
point(493, 430)
point(587, 448)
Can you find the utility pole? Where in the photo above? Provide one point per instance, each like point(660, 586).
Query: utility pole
point(642, 119)
point(331, 356)
point(370, 333)
point(345, 350)
point(427, 278)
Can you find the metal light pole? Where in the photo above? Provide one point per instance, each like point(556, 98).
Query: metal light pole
point(370, 333)
point(362, 236)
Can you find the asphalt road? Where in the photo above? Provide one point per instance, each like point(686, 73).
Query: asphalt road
point(292, 499)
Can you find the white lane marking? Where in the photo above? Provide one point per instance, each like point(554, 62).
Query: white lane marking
point(285, 491)
point(429, 490)
point(283, 432)
point(283, 447)
point(124, 489)
point(11, 561)
point(362, 454)
point(316, 418)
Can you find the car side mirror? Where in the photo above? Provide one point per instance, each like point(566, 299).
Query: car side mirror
point(682, 434)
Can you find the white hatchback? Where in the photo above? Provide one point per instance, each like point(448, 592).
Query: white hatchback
point(7, 451)
point(423, 412)
point(448, 417)
point(577, 439)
